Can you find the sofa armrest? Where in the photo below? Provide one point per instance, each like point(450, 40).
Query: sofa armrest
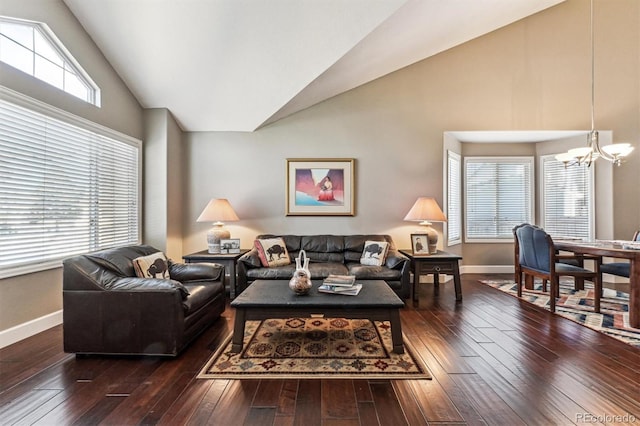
point(185, 272)
point(395, 259)
point(251, 259)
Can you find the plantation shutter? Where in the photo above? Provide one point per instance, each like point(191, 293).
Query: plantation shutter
point(454, 210)
point(499, 196)
point(64, 190)
point(567, 199)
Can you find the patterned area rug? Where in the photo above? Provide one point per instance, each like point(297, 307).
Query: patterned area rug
point(613, 319)
point(315, 348)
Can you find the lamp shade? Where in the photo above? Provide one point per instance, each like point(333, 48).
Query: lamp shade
point(218, 210)
point(426, 209)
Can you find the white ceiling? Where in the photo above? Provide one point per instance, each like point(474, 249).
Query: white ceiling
point(235, 65)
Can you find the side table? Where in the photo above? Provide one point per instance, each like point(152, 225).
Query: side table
point(437, 263)
point(227, 260)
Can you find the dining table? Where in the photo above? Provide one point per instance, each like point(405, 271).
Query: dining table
point(629, 250)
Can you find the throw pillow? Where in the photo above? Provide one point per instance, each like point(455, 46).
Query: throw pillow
point(152, 266)
point(272, 252)
point(374, 253)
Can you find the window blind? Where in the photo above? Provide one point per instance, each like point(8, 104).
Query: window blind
point(499, 196)
point(566, 199)
point(64, 190)
point(454, 210)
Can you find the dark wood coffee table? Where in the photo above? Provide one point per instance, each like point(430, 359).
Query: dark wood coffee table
point(265, 299)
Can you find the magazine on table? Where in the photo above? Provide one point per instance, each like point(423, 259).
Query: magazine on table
point(340, 280)
point(338, 289)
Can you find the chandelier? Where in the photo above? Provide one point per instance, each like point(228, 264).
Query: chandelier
point(587, 154)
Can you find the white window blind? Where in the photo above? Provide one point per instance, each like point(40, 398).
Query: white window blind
point(64, 190)
point(498, 196)
point(454, 199)
point(566, 199)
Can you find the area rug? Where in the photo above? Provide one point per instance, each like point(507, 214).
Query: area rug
point(333, 348)
point(577, 305)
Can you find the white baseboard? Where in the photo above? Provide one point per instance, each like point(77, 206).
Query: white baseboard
point(487, 269)
point(29, 328)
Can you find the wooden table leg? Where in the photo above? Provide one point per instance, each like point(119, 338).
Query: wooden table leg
point(396, 331)
point(416, 281)
point(436, 284)
point(456, 281)
point(238, 331)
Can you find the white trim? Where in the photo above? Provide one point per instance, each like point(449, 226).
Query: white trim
point(29, 328)
point(487, 269)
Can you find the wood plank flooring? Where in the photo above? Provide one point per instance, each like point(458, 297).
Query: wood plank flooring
point(495, 360)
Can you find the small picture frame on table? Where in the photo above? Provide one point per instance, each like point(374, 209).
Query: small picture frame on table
point(419, 244)
point(230, 246)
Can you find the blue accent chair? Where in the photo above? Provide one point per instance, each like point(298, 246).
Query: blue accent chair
point(622, 269)
point(536, 257)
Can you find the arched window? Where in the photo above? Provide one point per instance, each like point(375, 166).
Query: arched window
point(34, 49)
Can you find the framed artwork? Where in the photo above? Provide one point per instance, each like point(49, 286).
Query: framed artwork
point(419, 243)
point(229, 246)
point(320, 187)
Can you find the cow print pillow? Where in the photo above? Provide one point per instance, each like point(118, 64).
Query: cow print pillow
point(152, 266)
point(272, 252)
point(374, 253)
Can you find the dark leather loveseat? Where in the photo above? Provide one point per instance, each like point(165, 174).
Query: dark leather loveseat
point(330, 254)
point(107, 309)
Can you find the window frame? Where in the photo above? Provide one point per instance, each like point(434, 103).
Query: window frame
point(450, 194)
point(70, 64)
point(67, 118)
point(530, 161)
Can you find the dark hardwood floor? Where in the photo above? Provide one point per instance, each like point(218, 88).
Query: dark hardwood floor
point(494, 359)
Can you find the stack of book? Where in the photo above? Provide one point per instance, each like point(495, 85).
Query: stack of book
point(340, 284)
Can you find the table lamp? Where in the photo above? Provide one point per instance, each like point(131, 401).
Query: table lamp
point(426, 210)
point(218, 210)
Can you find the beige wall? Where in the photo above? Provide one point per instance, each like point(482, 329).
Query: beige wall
point(531, 75)
point(31, 296)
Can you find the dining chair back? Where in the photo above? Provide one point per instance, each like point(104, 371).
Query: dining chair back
point(536, 257)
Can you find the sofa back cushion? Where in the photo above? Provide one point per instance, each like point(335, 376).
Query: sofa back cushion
point(323, 248)
point(120, 260)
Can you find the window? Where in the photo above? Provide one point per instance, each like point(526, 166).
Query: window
point(32, 48)
point(65, 189)
point(498, 196)
point(454, 210)
point(566, 199)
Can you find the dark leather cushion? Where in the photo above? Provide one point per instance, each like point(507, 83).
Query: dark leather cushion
point(120, 260)
point(368, 272)
point(200, 295)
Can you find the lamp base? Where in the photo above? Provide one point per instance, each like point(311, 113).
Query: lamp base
point(214, 235)
point(432, 239)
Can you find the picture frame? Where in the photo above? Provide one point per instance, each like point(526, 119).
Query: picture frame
point(230, 246)
point(419, 244)
point(320, 187)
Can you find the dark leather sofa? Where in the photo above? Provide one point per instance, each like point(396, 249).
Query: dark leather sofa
point(108, 310)
point(330, 254)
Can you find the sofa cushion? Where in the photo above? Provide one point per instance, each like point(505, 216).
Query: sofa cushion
point(272, 252)
point(374, 253)
point(151, 266)
point(367, 272)
point(201, 294)
point(120, 260)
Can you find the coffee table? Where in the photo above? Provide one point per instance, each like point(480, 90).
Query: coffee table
point(265, 299)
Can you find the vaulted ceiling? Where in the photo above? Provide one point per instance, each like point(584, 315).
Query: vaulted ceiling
point(236, 65)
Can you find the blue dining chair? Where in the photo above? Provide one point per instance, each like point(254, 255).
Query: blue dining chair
point(537, 257)
point(622, 269)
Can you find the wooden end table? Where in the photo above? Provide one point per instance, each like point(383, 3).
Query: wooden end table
point(227, 260)
point(437, 263)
